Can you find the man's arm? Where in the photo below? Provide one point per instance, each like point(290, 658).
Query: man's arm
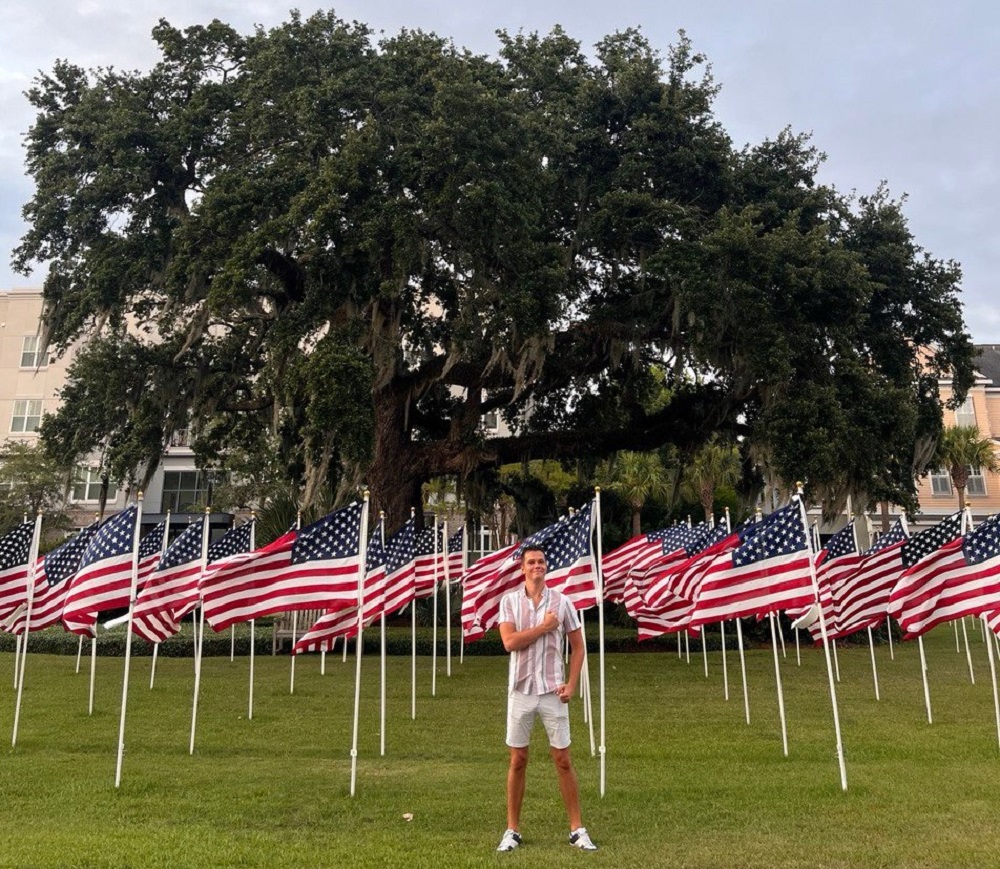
point(576, 652)
point(515, 640)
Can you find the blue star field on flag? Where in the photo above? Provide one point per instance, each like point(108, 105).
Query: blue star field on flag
point(15, 547)
point(455, 543)
point(399, 548)
point(921, 545)
point(842, 543)
point(983, 543)
point(894, 535)
point(64, 561)
point(185, 548)
point(673, 538)
point(152, 541)
point(423, 542)
point(570, 541)
point(115, 537)
point(234, 541)
point(781, 533)
point(375, 554)
point(333, 536)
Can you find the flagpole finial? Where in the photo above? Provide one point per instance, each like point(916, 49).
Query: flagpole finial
point(366, 494)
point(798, 487)
point(208, 510)
point(381, 514)
point(597, 490)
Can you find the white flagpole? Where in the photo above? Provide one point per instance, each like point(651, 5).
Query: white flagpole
point(836, 660)
point(923, 673)
point(413, 649)
point(598, 555)
point(434, 609)
point(79, 653)
point(447, 603)
point(200, 633)
point(253, 625)
point(295, 623)
point(826, 644)
point(128, 638)
point(968, 653)
point(585, 692)
point(362, 544)
point(777, 681)
point(382, 651)
point(93, 673)
point(743, 669)
point(19, 662)
point(871, 648)
point(156, 646)
point(993, 676)
point(725, 664)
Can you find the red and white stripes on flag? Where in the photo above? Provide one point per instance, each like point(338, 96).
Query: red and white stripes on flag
point(962, 578)
point(770, 570)
point(861, 596)
point(104, 580)
point(388, 586)
point(673, 614)
point(15, 550)
point(642, 554)
point(312, 568)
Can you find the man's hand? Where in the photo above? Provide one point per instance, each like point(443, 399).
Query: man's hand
point(565, 693)
point(550, 622)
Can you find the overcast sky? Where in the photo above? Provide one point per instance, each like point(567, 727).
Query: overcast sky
point(902, 90)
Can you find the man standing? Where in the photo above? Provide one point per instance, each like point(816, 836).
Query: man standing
point(533, 622)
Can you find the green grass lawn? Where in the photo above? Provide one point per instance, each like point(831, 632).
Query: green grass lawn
point(689, 783)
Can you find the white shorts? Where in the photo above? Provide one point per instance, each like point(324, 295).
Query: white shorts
point(522, 709)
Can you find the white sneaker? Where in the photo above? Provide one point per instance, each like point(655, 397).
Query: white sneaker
point(511, 839)
point(580, 838)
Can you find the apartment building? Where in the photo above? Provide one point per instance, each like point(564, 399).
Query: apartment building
point(981, 408)
point(30, 381)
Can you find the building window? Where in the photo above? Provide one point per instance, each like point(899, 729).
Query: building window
point(31, 356)
point(184, 491)
point(87, 485)
point(27, 415)
point(977, 482)
point(965, 413)
point(940, 482)
point(491, 421)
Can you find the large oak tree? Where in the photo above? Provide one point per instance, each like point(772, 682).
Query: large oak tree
point(340, 253)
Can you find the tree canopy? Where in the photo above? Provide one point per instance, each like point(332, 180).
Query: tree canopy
point(341, 252)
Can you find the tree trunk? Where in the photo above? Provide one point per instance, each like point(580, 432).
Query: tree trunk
point(393, 481)
point(636, 522)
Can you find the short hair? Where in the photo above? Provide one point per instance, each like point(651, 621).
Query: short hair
point(531, 547)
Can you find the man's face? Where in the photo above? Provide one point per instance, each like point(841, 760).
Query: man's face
point(533, 565)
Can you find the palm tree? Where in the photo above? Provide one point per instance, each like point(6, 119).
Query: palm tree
point(961, 449)
point(639, 477)
point(715, 464)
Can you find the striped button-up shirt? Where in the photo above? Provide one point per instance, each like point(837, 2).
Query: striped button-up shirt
point(538, 669)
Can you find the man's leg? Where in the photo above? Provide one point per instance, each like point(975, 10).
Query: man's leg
point(567, 786)
point(516, 775)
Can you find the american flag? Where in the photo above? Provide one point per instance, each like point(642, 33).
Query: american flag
point(456, 556)
point(173, 589)
point(49, 592)
point(234, 541)
point(150, 550)
point(343, 622)
point(770, 570)
point(429, 564)
point(104, 579)
point(642, 553)
point(476, 581)
point(400, 573)
point(682, 576)
point(569, 569)
point(837, 560)
point(961, 578)
point(15, 549)
point(673, 614)
point(862, 596)
point(316, 567)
